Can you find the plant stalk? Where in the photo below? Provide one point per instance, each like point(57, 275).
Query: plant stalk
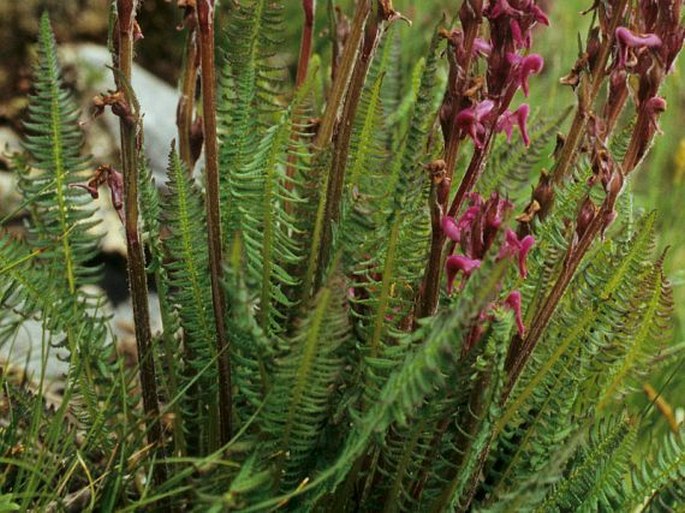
point(186, 102)
point(309, 8)
point(342, 142)
point(129, 133)
point(429, 290)
point(589, 92)
point(343, 76)
point(520, 350)
point(205, 15)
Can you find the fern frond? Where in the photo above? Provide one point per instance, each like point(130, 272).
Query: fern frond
point(402, 236)
point(60, 211)
point(252, 352)
point(647, 325)
point(248, 97)
point(297, 406)
point(61, 220)
point(549, 402)
point(421, 376)
point(484, 409)
point(593, 481)
point(189, 290)
point(658, 483)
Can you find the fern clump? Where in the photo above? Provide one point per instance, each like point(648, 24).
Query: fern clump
point(362, 309)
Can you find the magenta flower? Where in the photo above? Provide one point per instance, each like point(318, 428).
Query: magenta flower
point(522, 18)
point(514, 247)
point(499, 8)
point(453, 228)
point(524, 67)
point(481, 47)
point(538, 13)
point(509, 119)
point(470, 121)
point(456, 263)
point(494, 211)
point(450, 228)
point(627, 39)
point(513, 301)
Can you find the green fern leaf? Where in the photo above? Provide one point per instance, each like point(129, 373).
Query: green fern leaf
point(299, 402)
point(189, 290)
point(658, 483)
point(594, 478)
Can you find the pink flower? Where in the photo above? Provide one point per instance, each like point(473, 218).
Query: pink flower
point(495, 210)
point(450, 228)
point(470, 121)
point(456, 263)
point(627, 39)
point(524, 67)
point(481, 47)
point(521, 19)
point(454, 229)
point(499, 8)
point(513, 301)
point(519, 117)
point(514, 247)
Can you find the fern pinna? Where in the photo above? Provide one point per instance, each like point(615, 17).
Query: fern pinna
point(361, 309)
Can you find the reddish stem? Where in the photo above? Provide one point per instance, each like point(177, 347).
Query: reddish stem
point(137, 278)
point(186, 103)
point(309, 8)
point(205, 15)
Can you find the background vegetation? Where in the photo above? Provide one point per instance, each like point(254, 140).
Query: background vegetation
point(338, 402)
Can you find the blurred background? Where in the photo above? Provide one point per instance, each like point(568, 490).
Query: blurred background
point(659, 184)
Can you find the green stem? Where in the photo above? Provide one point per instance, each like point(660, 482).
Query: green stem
point(205, 14)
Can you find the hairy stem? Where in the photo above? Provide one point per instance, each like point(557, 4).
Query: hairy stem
point(205, 15)
point(129, 137)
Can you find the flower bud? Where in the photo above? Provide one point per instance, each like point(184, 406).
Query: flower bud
point(543, 194)
point(471, 12)
point(586, 215)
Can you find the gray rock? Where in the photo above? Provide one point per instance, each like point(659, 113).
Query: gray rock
point(157, 99)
